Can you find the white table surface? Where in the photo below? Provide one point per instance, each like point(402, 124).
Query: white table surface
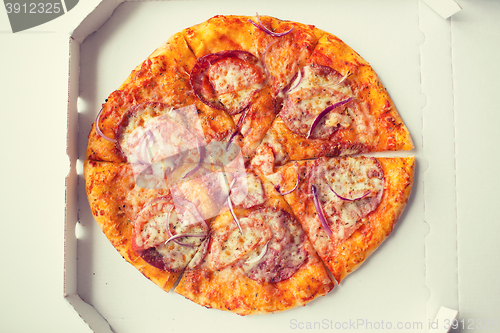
point(31, 72)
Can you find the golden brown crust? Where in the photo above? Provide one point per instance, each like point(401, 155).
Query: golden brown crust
point(115, 199)
point(231, 291)
point(228, 289)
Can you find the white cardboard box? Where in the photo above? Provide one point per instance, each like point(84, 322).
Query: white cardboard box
point(409, 277)
point(442, 253)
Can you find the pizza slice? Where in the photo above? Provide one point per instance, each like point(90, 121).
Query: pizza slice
point(346, 205)
point(257, 259)
point(336, 106)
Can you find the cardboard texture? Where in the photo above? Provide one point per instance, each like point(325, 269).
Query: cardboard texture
point(405, 282)
point(475, 46)
point(439, 179)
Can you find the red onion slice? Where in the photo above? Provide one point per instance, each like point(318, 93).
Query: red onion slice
point(201, 253)
point(343, 78)
point(238, 127)
point(260, 256)
point(173, 238)
point(319, 211)
point(264, 55)
point(325, 112)
point(230, 205)
point(297, 81)
point(236, 131)
point(277, 187)
point(167, 226)
point(347, 199)
point(167, 222)
point(261, 26)
point(98, 130)
point(234, 215)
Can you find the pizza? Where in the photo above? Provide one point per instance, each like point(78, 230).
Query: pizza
point(239, 164)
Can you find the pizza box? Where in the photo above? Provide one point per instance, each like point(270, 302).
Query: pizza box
point(406, 281)
point(433, 257)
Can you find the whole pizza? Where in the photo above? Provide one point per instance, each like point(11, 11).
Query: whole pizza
point(233, 163)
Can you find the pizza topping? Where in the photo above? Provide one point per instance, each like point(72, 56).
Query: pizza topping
point(346, 75)
point(235, 218)
point(346, 199)
point(232, 74)
point(324, 113)
point(315, 75)
point(187, 235)
point(230, 246)
point(296, 82)
point(149, 228)
point(261, 26)
point(284, 253)
point(257, 258)
point(200, 254)
point(316, 112)
point(247, 191)
point(144, 154)
point(167, 235)
point(154, 258)
point(155, 139)
point(273, 179)
point(98, 130)
point(347, 190)
point(269, 250)
point(315, 104)
point(319, 211)
point(238, 128)
point(189, 211)
point(264, 159)
point(227, 80)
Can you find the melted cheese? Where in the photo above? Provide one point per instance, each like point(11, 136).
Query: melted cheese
point(229, 245)
point(234, 101)
point(360, 180)
point(311, 79)
point(231, 74)
point(283, 255)
point(154, 231)
point(248, 191)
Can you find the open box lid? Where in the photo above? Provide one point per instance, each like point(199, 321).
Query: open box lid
point(418, 264)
